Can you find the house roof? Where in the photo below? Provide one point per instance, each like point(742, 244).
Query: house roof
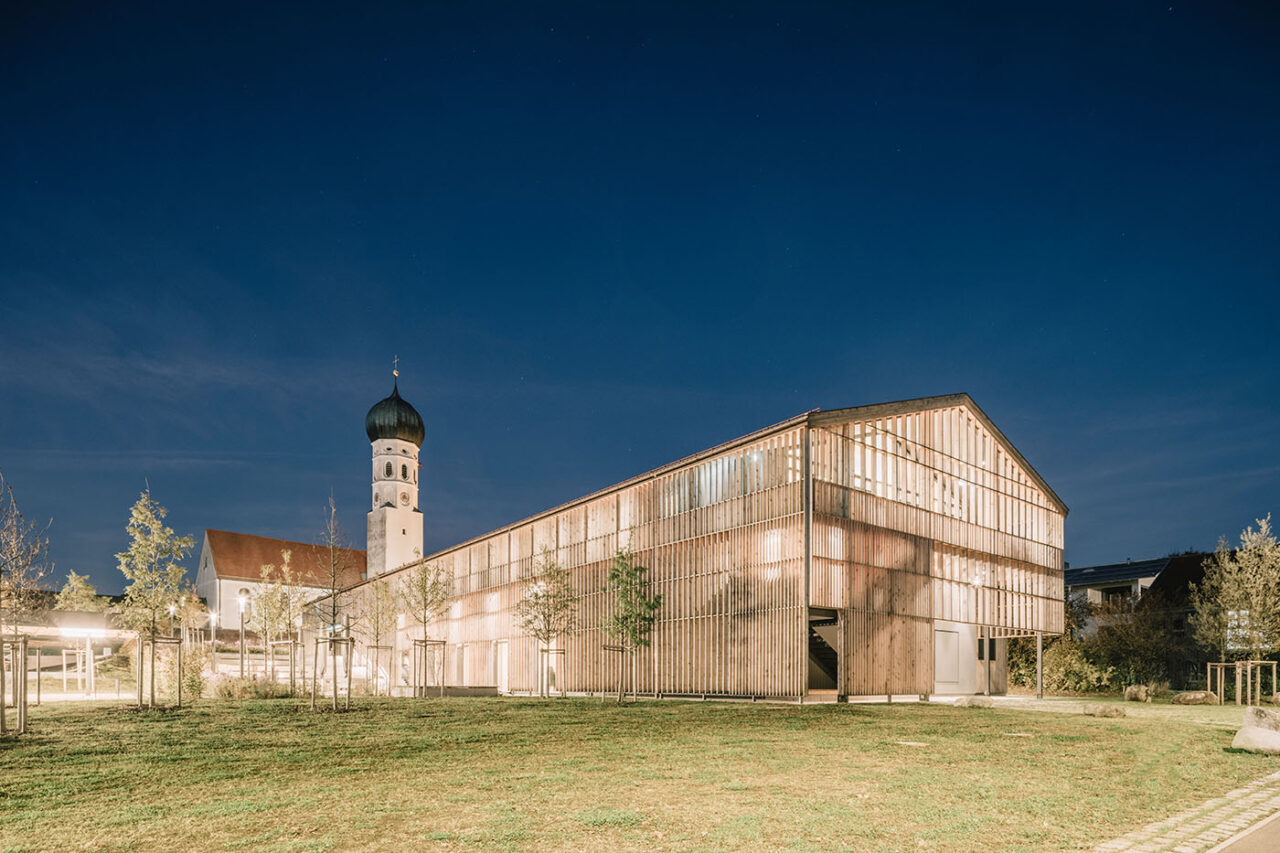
point(1174, 584)
point(241, 556)
point(1129, 570)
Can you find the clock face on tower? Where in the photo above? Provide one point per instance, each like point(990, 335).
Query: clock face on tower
point(404, 499)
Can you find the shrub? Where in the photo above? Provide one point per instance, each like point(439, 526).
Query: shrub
point(1068, 669)
point(195, 660)
point(249, 688)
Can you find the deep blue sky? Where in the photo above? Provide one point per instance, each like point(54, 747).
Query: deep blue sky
point(602, 236)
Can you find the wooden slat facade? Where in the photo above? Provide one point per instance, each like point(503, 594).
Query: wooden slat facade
point(900, 519)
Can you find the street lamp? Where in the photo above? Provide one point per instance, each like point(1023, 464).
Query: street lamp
point(244, 601)
point(173, 608)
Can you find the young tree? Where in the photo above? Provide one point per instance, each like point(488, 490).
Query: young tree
point(634, 609)
point(330, 609)
point(377, 620)
point(152, 565)
point(1237, 604)
point(424, 591)
point(1136, 639)
point(24, 552)
point(79, 594)
point(549, 605)
point(269, 611)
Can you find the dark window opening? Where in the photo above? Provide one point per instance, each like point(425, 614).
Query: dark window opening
point(388, 473)
point(404, 472)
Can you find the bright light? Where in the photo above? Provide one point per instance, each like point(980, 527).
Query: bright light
point(213, 618)
point(244, 598)
point(172, 609)
point(82, 632)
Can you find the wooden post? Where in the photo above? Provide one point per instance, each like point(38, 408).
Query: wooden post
point(152, 656)
point(351, 645)
point(315, 662)
point(1039, 665)
point(1238, 682)
point(4, 722)
point(141, 661)
point(179, 675)
point(22, 709)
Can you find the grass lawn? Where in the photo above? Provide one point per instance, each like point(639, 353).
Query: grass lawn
point(513, 774)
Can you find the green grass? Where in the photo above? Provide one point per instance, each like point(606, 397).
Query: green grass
point(511, 774)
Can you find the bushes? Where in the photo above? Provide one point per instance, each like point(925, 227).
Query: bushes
point(1067, 667)
point(249, 688)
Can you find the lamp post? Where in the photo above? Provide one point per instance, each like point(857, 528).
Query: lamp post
point(173, 608)
point(244, 600)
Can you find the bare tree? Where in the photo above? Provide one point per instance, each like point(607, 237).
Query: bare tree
point(24, 562)
point(331, 608)
point(549, 605)
point(377, 620)
point(424, 591)
point(272, 613)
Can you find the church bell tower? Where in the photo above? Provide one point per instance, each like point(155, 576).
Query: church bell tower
point(395, 433)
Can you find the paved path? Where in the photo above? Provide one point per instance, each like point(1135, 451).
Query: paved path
point(1208, 825)
point(1263, 838)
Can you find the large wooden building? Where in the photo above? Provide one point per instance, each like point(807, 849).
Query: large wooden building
point(880, 550)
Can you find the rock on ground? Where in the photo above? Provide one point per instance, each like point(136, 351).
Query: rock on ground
point(1137, 693)
point(1259, 732)
point(975, 702)
point(1195, 697)
point(1095, 710)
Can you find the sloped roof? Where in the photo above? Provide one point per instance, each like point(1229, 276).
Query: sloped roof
point(819, 417)
point(1129, 570)
point(813, 417)
point(241, 556)
point(1173, 585)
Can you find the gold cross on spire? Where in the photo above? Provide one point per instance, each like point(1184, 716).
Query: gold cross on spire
point(395, 367)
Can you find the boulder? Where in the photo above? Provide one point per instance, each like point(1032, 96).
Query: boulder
point(975, 702)
point(1195, 697)
point(1260, 732)
point(1137, 693)
point(1257, 740)
point(1261, 718)
point(1098, 710)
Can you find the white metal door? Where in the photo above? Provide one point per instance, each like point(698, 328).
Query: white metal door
point(500, 664)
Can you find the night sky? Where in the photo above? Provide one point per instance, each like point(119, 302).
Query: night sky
point(603, 236)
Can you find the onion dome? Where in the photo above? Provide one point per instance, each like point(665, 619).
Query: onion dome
point(394, 418)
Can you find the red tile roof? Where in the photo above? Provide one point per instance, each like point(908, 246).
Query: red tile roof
point(241, 556)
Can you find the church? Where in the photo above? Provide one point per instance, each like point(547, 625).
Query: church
point(883, 550)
